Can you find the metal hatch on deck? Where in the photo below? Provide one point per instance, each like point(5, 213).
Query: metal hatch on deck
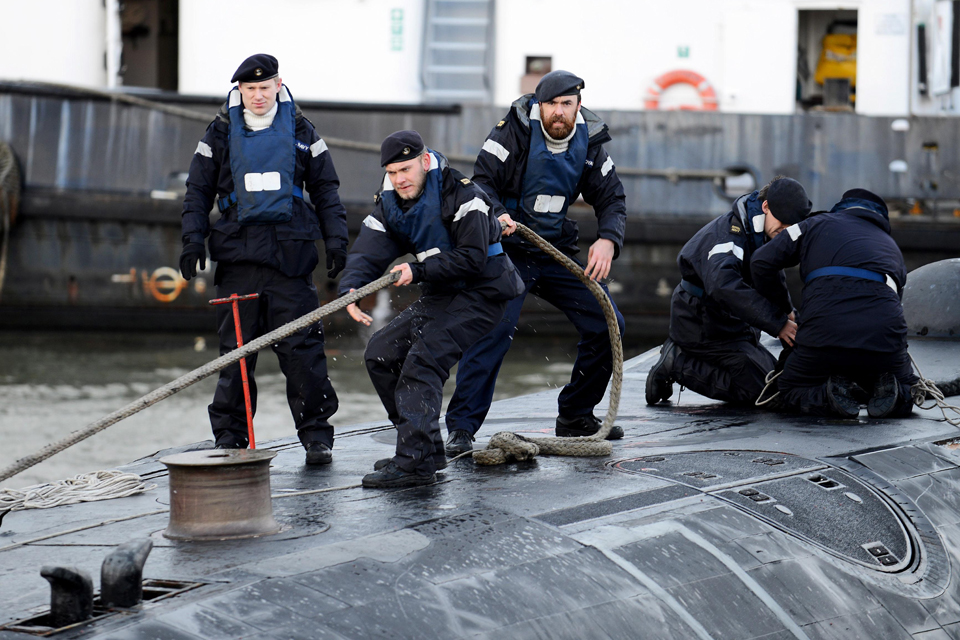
point(804, 498)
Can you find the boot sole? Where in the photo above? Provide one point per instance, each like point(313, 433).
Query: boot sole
point(845, 406)
point(883, 405)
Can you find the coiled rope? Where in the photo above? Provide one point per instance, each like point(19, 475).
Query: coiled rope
point(9, 203)
point(196, 375)
point(925, 390)
point(505, 446)
point(86, 487)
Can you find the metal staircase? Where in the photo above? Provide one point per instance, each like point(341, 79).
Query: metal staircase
point(457, 60)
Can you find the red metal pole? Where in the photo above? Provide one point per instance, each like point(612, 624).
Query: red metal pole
point(234, 299)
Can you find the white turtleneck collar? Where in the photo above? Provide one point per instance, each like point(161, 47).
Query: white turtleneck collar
point(557, 146)
point(255, 122)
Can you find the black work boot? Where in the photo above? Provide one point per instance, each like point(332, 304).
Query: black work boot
point(440, 463)
point(886, 392)
point(459, 441)
point(840, 397)
point(319, 453)
point(660, 379)
point(584, 426)
point(393, 476)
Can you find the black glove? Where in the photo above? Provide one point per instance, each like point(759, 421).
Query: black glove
point(192, 252)
point(336, 261)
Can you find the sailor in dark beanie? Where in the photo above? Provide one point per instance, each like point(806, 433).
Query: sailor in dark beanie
point(255, 161)
point(716, 315)
point(851, 346)
point(432, 211)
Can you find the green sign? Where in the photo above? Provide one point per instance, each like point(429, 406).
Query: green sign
point(683, 51)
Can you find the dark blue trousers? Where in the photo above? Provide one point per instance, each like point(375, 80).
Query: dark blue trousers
point(410, 359)
point(477, 373)
point(803, 383)
point(309, 392)
point(732, 371)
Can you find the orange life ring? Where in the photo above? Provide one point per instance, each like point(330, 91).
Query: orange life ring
point(682, 76)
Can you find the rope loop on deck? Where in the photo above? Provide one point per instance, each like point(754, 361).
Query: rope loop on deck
point(936, 392)
point(505, 446)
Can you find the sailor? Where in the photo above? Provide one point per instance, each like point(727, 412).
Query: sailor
point(851, 346)
point(537, 161)
point(716, 314)
point(254, 161)
point(428, 209)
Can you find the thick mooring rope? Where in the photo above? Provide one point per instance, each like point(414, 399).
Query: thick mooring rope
point(505, 446)
point(196, 375)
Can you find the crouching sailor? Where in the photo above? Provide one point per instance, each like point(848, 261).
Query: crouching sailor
point(430, 210)
point(716, 314)
point(253, 161)
point(852, 340)
point(537, 161)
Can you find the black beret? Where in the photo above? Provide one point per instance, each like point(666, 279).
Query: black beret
point(558, 83)
point(788, 201)
point(257, 68)
point(400, 146)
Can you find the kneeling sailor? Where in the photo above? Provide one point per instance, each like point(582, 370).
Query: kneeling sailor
point(716, 315)
point(852, 340)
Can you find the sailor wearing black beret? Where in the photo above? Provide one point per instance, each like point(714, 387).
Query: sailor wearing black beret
point(257, 68)
point(254, 162)
point(400, 146)
point(538, 160)
point(430, 210)
point(558, 83)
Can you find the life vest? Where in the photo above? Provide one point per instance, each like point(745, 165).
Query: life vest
point(421, 225)
point(263, 163)
point(550, 181)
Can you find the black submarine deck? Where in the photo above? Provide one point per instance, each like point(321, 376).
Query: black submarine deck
point(706, 522)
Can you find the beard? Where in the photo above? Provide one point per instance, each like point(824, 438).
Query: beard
point(419, 184)
point(560, 127)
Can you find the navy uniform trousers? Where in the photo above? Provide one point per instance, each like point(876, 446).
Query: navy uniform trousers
point(309, 392)
point(409, 361)
point(732, 371)
point(803, 383)
point(477, 374)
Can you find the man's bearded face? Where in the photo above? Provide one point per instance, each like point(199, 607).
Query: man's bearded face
point(559, 116)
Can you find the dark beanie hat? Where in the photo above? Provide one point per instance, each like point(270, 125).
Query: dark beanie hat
point(788, 201)
point(863, 194)
point(400, 146)
point(558, 83)
point(257, 68)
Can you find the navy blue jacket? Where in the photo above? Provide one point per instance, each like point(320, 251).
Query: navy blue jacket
point(502, 162)
point(716, 259)
point(289, 247)
point(841, 311)
point(470, 216)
